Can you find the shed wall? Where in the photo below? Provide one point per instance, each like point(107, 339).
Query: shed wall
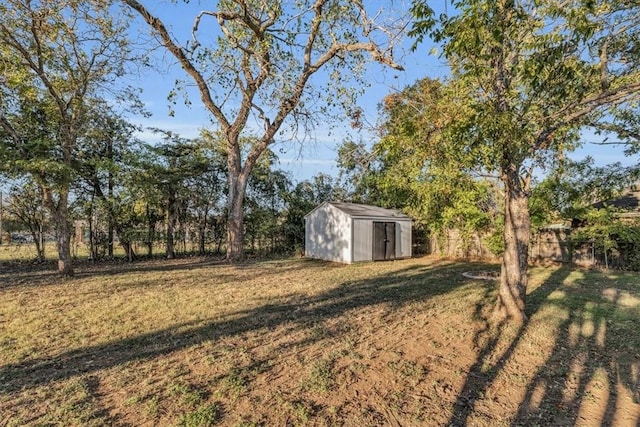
point(363, 238)
point(403, 239)
point(328, 235)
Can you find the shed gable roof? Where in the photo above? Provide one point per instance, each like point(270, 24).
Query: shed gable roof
point(356, 210)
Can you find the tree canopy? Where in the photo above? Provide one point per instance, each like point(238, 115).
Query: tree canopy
point(527, 77)
point(257, 75)
point(56, 60)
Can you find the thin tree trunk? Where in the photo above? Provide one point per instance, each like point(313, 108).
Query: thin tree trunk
point(92, 247)
point(517, 234)
point(41, 253)
point(37, 242)
point(171, 222)
point(202, 231)
point(114, 224)
point(201, 239)
point(219, 235)
point(183, 236)
point(151, 228)
point(110, 193)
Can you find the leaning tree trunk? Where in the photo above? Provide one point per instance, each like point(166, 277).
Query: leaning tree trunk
point(513, 277)
point(36, 235)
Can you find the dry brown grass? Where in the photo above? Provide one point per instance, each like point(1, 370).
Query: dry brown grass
point(297, 342)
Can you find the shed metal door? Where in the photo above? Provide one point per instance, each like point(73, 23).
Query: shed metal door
point(384, 240)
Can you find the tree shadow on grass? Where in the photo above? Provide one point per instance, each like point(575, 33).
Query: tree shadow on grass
point(594, 347)
point(411, 284)
point(34, 275)
point(593, 372)
point(15, 275)
point(490, 361)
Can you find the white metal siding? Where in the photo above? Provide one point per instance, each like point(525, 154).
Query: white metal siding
point(403, 239)
point(328, 234)
point(362, 240)
point(335, 235)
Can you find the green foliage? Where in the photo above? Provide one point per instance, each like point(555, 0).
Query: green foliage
point(303, 198)
point(534, 73)
point(355, 164)
point(424, 20)
point(64, 54)
point(611, 235)
point(26, 207)
point(265, 202)
point(64, 57)
point(571, 189)
point(414, 168)
point(205, 416)
point(262, 67)
point(321, 376)
point(495, 241)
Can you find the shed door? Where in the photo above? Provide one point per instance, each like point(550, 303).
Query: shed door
point(384, 240)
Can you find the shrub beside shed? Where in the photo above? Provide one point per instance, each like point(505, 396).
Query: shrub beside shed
point(350, 232)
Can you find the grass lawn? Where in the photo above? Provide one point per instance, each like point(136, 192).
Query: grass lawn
point(195, 342)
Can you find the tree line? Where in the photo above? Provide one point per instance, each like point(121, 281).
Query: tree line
point(146, 198)
point(526, 79)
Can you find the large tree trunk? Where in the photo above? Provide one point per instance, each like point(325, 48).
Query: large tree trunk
point(235, 230)
point(65, 264)
point(235, 218)
point(517, 233)
point(59, 210)
point(63, 236)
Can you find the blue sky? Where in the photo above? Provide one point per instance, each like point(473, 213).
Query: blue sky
point(319, 154)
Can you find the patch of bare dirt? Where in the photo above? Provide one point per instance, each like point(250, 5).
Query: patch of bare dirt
point(295, 343)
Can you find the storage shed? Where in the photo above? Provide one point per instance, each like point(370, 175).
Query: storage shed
point(350, 232)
